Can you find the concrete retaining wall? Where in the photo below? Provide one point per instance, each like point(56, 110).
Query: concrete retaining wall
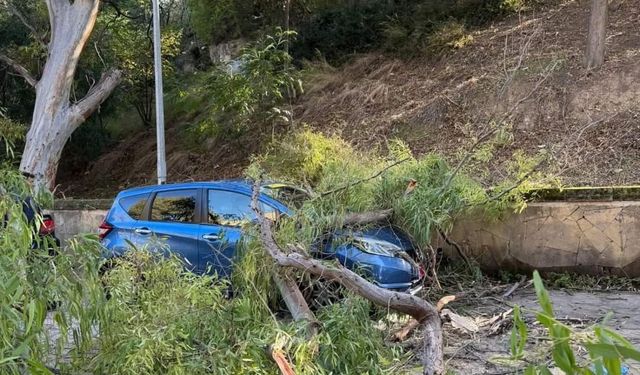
point(72, 222)
point(589, 237)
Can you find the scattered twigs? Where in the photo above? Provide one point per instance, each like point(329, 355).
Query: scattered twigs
point(433, 265)
point(419, 309)
point(514, 287)
point(455, 245)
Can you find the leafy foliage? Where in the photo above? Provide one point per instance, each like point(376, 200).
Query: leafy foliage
point(162, 320)
point(325, 164)
point(32, 281)
point(230, 101)
point(607, 350)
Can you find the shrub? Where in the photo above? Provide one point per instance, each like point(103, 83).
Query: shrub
point(31, 281)
point(230, 102)
point(161, 319)
point(325, 164)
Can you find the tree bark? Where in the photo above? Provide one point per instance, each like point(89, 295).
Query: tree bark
point(21, 70)
point(419, 309)
point(597, 33)
point(296, 303)
point(54, 117)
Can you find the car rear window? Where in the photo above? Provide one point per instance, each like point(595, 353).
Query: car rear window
point(134, 205)
point(174, 206)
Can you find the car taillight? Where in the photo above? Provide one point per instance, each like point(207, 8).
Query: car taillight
point(104, 229)
point(421, 272)
point(48, 226)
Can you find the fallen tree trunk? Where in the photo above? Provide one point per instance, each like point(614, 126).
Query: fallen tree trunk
point(419, 309)
point(296, 303)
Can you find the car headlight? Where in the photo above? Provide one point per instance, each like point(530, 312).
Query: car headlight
point(376, 247)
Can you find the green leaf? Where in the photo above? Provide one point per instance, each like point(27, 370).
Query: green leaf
point(613, 351)
point(519, 334)
point(543, 295)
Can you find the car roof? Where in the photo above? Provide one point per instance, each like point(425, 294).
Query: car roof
point(242, 185)
point(235, 184)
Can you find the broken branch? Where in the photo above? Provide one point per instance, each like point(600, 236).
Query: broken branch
point(296, 303)
point(364, 218)
point(419, 309)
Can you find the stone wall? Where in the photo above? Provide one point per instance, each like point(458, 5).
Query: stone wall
point(589, 237)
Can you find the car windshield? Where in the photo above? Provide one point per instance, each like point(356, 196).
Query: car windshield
point(291, 196)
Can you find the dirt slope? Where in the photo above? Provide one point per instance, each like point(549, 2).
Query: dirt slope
point(587, 119)
point(526, 70)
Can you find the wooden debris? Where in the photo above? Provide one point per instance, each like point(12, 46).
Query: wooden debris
point(281, 360)
point(514, 287)
point(444, 301)
point(404, 332)
point(460, 322)
point(419, 309)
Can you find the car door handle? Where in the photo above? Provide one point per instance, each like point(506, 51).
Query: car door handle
point(211, 237)
point(143, 231)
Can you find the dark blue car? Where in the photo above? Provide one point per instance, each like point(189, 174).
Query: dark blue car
point(202, 223)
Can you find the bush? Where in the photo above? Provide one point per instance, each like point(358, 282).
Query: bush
point(227, 103)
point(163, 320)
point(328, 163)
point(31, 281)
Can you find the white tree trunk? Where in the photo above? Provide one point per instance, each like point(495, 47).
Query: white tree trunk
point(54, 117)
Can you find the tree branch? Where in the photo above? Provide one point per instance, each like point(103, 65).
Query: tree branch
point(81, 110)
point(379, 173)
point(421, 310)
point(16, 12)
point(21, 70)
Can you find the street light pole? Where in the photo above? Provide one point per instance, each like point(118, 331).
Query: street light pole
point(157, 62)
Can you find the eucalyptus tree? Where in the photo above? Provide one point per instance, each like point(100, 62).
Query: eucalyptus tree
point(55, 114)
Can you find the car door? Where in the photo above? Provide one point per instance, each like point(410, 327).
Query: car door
point(221, 231)
point(121, 222)
point(171, 225)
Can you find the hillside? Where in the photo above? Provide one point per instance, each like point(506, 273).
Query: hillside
point(525, 72)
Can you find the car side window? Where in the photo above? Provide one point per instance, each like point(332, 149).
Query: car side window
point(174, 206)
point(232, 209)
point(134, 205)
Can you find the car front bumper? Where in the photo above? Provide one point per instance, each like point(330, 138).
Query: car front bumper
point(412, 288)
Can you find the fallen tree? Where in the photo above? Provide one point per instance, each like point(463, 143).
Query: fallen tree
point(421, 310)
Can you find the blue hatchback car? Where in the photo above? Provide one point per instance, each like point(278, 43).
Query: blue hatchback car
point(202, 223)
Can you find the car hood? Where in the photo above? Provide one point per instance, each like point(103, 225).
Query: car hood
point(387, 233)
